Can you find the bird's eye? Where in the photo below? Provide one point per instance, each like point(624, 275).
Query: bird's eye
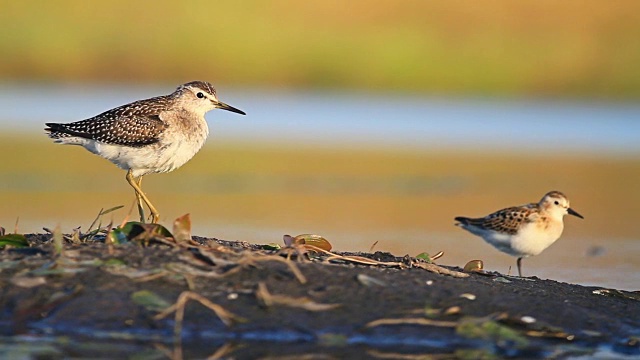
point(556, 202)
point(200, 95)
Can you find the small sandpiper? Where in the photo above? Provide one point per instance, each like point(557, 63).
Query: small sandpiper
point(155, 135)
point(525, 230)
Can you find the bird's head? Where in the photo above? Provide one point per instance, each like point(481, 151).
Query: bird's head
point(557, 204)
point(200, 97)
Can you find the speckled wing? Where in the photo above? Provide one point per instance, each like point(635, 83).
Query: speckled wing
point(136, 124)
point(506, 221)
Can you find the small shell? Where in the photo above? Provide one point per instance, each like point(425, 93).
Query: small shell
point(473, 266)
point(315, 240)
point(468, 296)
point(370, 281)
point(437, 256)
point(528, 319)
point(453, 310)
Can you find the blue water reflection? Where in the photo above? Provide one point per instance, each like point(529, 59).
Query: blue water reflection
point(360, 118)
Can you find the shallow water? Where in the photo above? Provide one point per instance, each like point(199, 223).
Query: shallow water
point(355, 208)
point(360, 118)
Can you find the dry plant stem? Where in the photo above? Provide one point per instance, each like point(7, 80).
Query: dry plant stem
point(126, 218)
point(164, 350)
point(440, 270)
point(356, 259)
point(373, 246)
point(292, 266)
point(263, 294)
point(223, 351)
point(152, 276)
point(376, 354)
point(184, 269)
point(225, 316)
point(362, 260)
point(302, 302)
point(412, 321)
point(175, 354)
point(95, 220)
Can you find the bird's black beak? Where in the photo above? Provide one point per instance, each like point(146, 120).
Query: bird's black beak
point(223, 106)
point(574, 213)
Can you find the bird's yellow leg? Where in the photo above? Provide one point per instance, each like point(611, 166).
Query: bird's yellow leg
point(139, 199)
point(136, 184)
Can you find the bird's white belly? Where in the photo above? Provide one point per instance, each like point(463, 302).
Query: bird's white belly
point(532, 239)
point(154, 158)
point(500, 241)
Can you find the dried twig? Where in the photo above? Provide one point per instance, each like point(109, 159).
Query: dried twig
point(225, 316)
point(302, 302)
point(353, 258)
point(439, 269)
point(292, 266)
point(412, 321)
point(224, 350)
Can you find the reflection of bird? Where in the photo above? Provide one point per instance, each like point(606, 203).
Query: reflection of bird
point(525, 230)
point(156, 135)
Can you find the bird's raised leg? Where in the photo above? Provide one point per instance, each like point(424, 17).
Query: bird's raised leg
point(519, 262)
point(136, 184)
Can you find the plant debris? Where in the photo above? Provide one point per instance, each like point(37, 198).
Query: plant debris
point(119, 282)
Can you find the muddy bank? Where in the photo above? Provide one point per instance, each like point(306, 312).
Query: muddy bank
point(238, 300)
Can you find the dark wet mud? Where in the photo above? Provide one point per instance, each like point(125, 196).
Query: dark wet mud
point(222, 299)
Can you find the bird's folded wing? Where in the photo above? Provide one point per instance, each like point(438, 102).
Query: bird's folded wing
point(508, 220)
point(110, 128)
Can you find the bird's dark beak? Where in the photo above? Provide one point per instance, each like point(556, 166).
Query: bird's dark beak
point(223, 106)
point(574, 213)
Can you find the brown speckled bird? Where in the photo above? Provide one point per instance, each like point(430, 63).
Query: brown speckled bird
point(155, 135)
point(525, 230)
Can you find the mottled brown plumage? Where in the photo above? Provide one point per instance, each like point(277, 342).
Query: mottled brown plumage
point(524, 230)
point(506, 221)
point(155, 135)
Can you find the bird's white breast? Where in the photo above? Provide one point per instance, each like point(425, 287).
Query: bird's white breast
point(534, 237)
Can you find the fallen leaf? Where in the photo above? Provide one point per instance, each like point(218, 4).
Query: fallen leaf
point(150, 300)
point(13, 240)
point(28, 281)
point(182, 228)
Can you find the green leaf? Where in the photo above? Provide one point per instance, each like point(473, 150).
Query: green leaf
point(115, 262)
point(103, 212)
point(116, 236)
point(14, 240)
point(144, 232)
point(490, 330)
point(150, 300)
point(128, 227)
point(271, 246)
point(424, 256)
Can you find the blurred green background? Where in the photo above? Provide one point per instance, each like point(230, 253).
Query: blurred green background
point(433, 51)
point(521, 48)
